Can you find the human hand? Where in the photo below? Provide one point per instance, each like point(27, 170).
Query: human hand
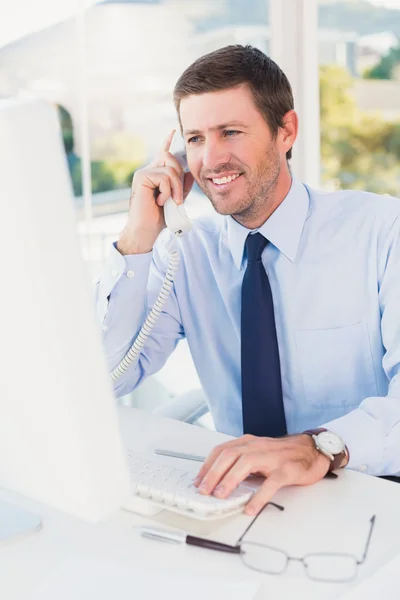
point(291, 460)
point(151, 188)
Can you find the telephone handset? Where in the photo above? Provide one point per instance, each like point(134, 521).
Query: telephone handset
point(175, 215)
point(179, 224)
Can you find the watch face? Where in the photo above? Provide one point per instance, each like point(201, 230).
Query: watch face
point(330, 442)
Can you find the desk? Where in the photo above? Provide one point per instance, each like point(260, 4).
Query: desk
point(331, 515)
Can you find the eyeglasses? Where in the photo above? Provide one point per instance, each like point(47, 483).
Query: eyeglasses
point(333, 567)
point(319, 566)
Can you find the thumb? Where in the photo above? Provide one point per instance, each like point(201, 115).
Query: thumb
point(188, 182)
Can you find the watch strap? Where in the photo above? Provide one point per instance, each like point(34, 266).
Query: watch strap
point(338, 459)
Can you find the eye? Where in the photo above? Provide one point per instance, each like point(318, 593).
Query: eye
point(193, 139)
point(231, 132)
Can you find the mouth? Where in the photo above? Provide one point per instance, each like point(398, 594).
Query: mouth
point(225, 182)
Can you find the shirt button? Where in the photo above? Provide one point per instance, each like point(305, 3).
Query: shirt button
point(130, 274)
point(105, 327)
point(363, 468)
point(114, 273)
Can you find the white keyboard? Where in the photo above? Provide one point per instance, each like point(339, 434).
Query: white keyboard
point(168, 488)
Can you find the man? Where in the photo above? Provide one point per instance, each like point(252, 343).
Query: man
point(289, 298)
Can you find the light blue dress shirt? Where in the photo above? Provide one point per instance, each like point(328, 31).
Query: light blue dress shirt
point(333, 262)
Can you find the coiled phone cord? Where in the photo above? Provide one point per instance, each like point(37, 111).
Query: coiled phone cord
point(133, 353)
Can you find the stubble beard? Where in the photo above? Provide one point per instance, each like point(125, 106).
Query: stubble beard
point(260, 192)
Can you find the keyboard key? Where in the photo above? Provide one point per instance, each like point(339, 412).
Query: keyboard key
point(173, 489)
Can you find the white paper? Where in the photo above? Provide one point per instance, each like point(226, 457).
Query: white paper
point(87, 578)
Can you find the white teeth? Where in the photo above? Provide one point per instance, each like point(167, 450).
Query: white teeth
point(226, 179)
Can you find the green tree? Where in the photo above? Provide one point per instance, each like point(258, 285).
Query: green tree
point(359, 150)
point(106, 174)
point(337, 108)
point(385, 68)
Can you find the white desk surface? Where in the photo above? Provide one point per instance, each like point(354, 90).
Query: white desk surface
point(332, 515)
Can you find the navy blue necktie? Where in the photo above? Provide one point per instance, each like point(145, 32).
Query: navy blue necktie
point(262, 402)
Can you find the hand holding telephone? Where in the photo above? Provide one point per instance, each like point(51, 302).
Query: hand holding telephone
point(179, 224)
point(175, 215)
point(158, 188)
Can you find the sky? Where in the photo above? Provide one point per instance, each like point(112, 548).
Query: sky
point(20, 17)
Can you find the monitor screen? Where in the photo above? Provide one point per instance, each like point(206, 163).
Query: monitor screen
point(59, 436)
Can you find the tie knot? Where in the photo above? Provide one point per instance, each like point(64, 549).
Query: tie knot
point(255, 244)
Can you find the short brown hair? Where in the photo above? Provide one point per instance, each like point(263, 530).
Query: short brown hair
point(232, 66)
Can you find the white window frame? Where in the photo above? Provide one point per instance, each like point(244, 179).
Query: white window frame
point(294, 46)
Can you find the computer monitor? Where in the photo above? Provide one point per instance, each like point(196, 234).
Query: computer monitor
point(59, 435)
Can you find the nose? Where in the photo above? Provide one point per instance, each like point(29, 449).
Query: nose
point(215, 153)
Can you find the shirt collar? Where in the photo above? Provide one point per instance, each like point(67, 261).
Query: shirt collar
point(283, 228)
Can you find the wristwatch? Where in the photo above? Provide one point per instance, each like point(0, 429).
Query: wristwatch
point(331, 445)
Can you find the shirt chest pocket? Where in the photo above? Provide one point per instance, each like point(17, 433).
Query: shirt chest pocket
point(331, 296)
point(336, 365)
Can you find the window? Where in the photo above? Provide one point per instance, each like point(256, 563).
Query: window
point(360, 95)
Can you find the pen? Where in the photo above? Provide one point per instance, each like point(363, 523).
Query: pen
point(179, 455)
point(179, 537)
point(329, 474)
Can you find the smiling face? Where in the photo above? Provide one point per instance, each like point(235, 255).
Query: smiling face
point(233, 155)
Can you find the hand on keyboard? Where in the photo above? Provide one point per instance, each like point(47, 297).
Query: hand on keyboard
point(173, 489)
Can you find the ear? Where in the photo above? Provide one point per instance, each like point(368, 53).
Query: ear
point(289, 130)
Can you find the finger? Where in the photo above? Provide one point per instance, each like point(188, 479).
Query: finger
point(211, 458)
point(226, 459)
point(167, 181)
point(215, 452)
point(253, 463)
point(267, 491)
point(166, 159)
point(176, 185)
point(224, 462)
point(168, 141)
point(165, 192)
point(243, 467)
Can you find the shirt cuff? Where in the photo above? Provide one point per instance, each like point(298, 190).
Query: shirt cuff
point(118, 266)
point(358, 431)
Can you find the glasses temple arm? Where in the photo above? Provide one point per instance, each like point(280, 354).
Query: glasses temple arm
point(278, 506)
point(372, 524)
